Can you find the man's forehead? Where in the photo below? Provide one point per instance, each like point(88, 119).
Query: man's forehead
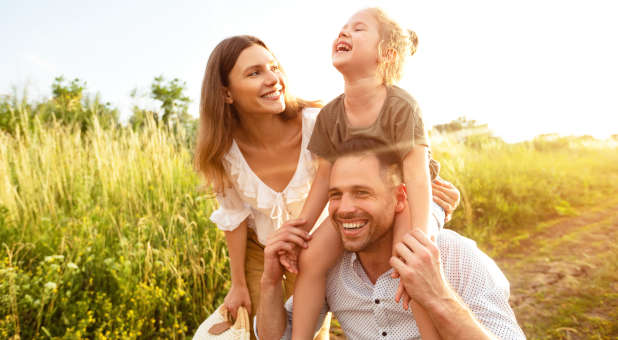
point(354, 170)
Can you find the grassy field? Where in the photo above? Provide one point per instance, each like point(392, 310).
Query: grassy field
point(105, 234)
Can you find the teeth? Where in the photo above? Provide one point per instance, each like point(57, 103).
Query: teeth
point(272, 94)
point(343, 47)
point(354, 225)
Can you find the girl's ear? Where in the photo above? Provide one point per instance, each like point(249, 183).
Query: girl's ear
point(227, 96)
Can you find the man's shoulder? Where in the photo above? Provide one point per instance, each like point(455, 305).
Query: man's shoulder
point(465, 265)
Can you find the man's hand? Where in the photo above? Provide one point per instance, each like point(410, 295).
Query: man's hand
point(289, 258)
point(445, 195)
point(417, 259)
point(288, 239)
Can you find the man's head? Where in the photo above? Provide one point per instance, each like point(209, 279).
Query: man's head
point(365, 192)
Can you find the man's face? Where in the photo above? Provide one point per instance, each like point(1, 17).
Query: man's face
point(362, 204)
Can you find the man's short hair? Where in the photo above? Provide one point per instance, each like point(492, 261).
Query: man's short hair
point(389, 160)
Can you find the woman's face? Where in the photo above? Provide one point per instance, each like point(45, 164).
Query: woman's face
point(356, 47)
point(256, 84)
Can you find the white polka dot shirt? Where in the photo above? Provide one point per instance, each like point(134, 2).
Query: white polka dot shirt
point(368, 311)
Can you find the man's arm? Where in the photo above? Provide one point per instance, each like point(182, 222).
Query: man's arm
point(418, 262)
point(271, 315)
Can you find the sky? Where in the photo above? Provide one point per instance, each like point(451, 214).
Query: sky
point(523, 67)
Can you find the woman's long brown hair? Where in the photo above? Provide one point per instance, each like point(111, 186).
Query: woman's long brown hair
point(218, 119)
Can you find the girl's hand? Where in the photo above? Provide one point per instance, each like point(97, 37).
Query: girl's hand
point(445, 195)
point(236, 297)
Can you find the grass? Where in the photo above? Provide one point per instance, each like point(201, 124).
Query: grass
point(105, 234)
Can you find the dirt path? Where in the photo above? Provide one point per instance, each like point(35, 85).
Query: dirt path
point(564, 277)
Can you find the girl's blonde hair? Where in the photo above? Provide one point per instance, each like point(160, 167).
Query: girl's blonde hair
point(219, 119)
point(395, 45)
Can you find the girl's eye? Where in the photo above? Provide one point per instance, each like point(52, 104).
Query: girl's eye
point(253, 74)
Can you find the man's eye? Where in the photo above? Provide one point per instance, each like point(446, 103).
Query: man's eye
point(334, 197)
point(362, 193)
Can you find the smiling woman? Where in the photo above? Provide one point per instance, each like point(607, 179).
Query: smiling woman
point(252, 149)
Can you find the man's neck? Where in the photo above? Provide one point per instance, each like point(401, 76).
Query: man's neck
point(375, 258)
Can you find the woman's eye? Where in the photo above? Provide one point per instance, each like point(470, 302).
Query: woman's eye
point(253, 74)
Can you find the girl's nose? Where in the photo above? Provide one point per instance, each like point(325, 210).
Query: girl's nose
point(344, 32)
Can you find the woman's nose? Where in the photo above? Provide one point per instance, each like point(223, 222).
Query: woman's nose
point(271, 78)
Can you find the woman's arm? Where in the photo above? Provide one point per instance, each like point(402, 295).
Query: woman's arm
point(237, 247)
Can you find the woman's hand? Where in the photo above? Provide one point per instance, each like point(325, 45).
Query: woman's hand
point(236, 297)
point(445, 195)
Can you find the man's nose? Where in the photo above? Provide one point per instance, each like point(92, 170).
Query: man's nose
point(346, 204)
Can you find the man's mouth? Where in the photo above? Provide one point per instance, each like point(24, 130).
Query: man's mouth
point(353, 225)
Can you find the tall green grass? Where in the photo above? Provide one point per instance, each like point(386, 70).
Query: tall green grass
point(105, 233)
point(507, 189)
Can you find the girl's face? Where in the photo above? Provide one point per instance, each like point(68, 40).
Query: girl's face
point(256, 84)
point(356, 48)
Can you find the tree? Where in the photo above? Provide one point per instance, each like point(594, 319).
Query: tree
point(174, 103)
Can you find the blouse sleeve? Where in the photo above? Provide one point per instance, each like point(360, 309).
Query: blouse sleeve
point(232, 210)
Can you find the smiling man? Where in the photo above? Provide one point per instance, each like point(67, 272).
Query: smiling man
point(462, 290)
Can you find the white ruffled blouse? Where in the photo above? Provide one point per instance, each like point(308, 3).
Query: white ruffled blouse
point(250, 198)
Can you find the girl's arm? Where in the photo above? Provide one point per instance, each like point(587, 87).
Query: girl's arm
point(314, 204)
point(318, 195)
point(325, 248)
point(237, 247)
point(417, 179)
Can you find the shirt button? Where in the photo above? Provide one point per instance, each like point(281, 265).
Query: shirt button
point(383, 333)
point(377, 301)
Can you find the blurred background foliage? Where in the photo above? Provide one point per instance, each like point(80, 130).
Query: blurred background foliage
point(104, 229)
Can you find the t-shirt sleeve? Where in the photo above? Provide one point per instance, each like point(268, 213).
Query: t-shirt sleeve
point(232, 210)
point(320, 142)
point(409, 129)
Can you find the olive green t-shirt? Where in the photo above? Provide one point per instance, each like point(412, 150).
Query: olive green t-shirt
point(399, 124)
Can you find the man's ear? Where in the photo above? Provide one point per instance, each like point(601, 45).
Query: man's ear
point(401, 195)
point(227, 96)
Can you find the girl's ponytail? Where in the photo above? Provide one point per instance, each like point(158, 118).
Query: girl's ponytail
point(413, 41)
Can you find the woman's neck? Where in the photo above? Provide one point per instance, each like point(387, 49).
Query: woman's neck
point(262, 131)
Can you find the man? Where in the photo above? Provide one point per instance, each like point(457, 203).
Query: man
point(462, 290)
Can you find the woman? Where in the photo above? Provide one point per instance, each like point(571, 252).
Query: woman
point(252, 148)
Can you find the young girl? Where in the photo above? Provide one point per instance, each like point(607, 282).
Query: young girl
point(369, 52)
